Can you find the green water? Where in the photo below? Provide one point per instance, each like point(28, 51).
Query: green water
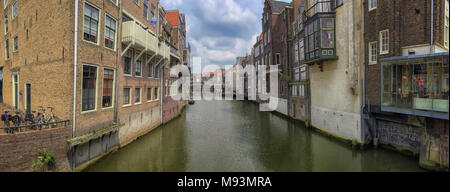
point(234, 136)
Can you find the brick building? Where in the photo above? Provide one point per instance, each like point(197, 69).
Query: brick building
point(113, 63)
point(406, 74)
point(298, 70)
point(274, 29)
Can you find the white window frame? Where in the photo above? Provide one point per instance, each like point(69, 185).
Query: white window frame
point(96, 90)
point(15, 4)
point(98, 25)
point(131, 51)
point(372, 62)
point(115, 32)
point(151, 94)
point(113, 87)
point(140, 96)
point(129, 97)
point(5, 3)
point(370, 4)
point(136, 53)
point(382, 52)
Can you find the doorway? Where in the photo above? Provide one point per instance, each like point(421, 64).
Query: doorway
point(15, 88)
point(28, 98)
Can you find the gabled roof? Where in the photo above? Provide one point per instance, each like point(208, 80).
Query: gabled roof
point(278, 6)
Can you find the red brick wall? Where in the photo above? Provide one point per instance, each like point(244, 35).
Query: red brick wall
point(18, 151)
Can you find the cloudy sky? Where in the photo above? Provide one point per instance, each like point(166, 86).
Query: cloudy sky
point(220, 30)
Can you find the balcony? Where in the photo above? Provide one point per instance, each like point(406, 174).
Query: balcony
point(320, 29)
point(136, 36)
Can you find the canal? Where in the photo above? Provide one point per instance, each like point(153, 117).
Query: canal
point(234, 136)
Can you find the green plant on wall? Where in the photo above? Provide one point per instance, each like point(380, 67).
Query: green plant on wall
point(287, 79)
point(45, 161)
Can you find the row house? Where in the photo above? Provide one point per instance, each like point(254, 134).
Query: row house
point(333, 51)
point(274, 30)
point(177, 21)
point(257, 58)
point(406, 45)
point(98, 64)
point(298, 69)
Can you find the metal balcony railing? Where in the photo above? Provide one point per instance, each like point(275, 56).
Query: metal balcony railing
point(320, 7)
point(33, 127)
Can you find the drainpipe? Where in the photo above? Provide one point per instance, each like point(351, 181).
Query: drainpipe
point(432, 26)
point(162, 89)
point(75, 61)
point(118, 59)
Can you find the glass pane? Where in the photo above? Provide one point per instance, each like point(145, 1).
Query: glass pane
point(327, 39)
point(327, 23)
point(388, 85)
point(440, 87)
point(404, 85)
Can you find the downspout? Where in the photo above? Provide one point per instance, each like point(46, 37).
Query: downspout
point(431, 29)
point(75, 61)
point(118, 59)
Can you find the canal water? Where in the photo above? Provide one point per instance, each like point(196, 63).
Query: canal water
point(231, 136)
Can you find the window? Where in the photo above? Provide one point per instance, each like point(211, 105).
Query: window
point(138, 66)
point(268, 36)
point(446, 25)
point(156, 72)
point(384, 42)
point(110, 32)
point(156, 93)
point(302, 50)
point(108, 87)
point(152, 11)
point(6, 3)
point(277, 58)
point(137, 96)
point(127, 62)
point(14, 10)
point(145, 9)
point(296, 52)
point(6, 24)
point(327, 27)
point(150, 69)
point(89, 88)
point(136, 1)
point(373, 53)
point(16, 44)
point(126, 96)
point(91, 18)
point(372, 4)
point(7, 49)
point(149, 94)
point(297, 75)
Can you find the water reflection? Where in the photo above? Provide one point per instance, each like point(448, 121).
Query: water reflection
point(235, 136)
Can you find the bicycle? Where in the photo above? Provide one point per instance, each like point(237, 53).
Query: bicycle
point(51, 118)
point(6, 117)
